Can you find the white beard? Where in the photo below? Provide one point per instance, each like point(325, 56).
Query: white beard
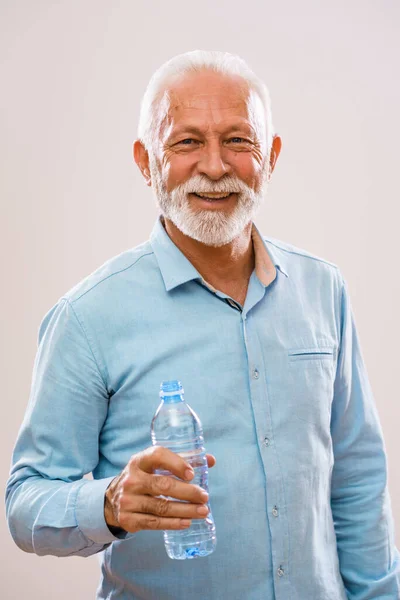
point(210, 227)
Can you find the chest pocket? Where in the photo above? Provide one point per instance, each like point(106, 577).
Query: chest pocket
point(310, 383)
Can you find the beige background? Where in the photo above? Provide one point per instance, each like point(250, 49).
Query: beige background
point(72, 74)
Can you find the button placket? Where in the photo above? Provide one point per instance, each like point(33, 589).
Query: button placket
point(259, 399)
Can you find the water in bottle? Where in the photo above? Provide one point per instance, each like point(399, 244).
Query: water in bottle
point(177, 427)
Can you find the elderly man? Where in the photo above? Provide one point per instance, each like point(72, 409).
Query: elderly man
point(262, 336)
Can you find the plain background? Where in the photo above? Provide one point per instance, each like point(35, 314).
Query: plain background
point(72, 75)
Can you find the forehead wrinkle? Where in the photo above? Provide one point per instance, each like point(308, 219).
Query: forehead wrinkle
point(209, 113)
point(197, 90)
point(199, 99)
point(202, 101)
point(249, 103)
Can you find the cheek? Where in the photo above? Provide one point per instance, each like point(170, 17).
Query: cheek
point(247, 168)
point(177, 170)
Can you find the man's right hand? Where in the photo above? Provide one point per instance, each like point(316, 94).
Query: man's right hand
point(131, 501)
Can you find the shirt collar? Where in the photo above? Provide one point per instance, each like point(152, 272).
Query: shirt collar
point(176, 269)
point(266, 256)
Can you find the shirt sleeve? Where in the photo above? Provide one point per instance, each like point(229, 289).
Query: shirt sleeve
point(51, 508)
point(360, 501)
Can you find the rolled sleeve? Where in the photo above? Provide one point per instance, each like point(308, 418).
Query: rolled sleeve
point(360, 501)
point(89, 512)
point(51, 507)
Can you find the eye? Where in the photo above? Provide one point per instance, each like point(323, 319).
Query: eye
point(187, 141)
point(237, 140)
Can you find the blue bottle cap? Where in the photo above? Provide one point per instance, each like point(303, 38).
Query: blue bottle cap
point(171, 388)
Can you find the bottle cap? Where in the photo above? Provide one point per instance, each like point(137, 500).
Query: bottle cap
point(170, 388)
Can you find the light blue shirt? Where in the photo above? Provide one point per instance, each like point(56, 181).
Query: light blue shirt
point(299, 494)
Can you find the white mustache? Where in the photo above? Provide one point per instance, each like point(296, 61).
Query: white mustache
point(202, 185)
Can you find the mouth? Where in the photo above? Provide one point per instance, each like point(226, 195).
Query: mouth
point(211, 197)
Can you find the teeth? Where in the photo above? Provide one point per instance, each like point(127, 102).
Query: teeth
point(213, 195)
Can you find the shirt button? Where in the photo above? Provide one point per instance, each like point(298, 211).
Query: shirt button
point(280, 571)
point(275, 511)
point(256, 374)
point(266, 441)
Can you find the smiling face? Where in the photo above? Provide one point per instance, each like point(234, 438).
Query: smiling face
point(210, 165)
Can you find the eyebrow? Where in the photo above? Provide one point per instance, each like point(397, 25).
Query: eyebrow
point(193, 129)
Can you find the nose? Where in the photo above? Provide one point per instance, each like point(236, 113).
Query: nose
point(212, 161)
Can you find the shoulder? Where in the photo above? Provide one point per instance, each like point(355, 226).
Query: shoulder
point(305, 269)
point(113, 274)
point(100, 291)
point(293, 255)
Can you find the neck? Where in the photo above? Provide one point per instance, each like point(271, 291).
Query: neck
point(227, 268)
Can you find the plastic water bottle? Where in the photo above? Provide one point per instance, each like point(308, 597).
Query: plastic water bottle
point(177, 427)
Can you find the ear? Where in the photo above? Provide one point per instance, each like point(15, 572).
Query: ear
point(275, 151)
point(141, 157)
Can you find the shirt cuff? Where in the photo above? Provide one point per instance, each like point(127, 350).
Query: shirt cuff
point(89, 511)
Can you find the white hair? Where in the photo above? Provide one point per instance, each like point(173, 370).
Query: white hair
point(151, 110)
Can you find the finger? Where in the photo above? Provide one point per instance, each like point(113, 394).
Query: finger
point(211, 460)
point(138, 521)
point(160, 458)
point(162, 507)
point(165, 485)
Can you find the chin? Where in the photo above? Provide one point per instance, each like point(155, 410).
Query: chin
point(205, 234)
point(214, 228)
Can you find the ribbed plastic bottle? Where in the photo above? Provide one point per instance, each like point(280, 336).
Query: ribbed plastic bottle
point(177, 427)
